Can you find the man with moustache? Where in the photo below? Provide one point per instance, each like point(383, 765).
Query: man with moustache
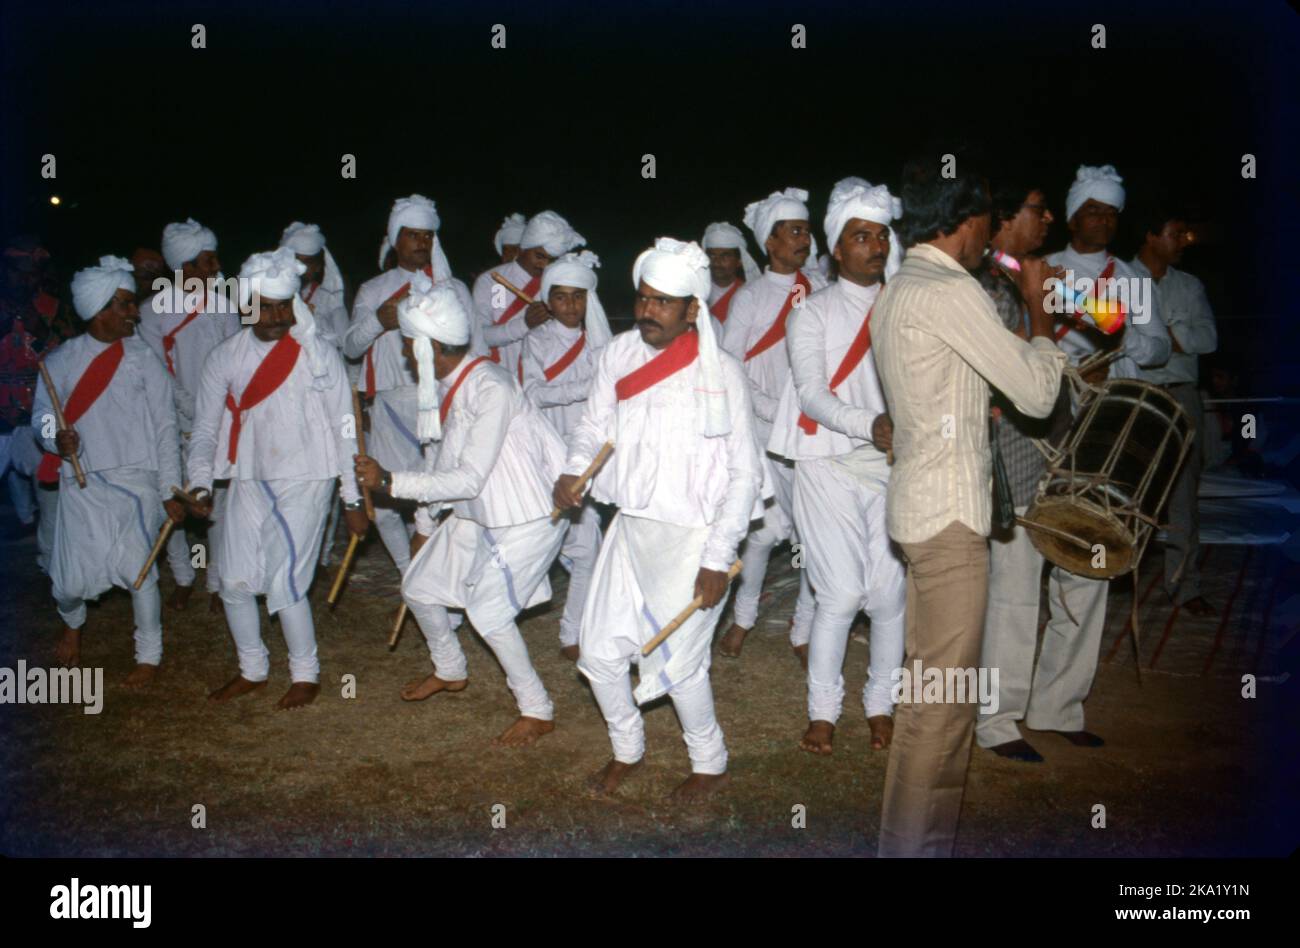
point(833, 424)
point(322, 282)
point(939, 345)
point(1185, 310)
point(756, 336)
point(1050, 695)
point(730, 266)
point(121, 426)
point(271, 414)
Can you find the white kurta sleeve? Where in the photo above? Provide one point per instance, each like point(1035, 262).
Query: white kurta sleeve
point(806, 340)
point(510, 331)
point(1197, 333)
point(744, 465)
point(344, 425)
point(166, 432)
point(487, 423)
point(204, 436)
point(1148, 343)
point(365, 328)
point(42, 409)
point(546, 394)
point(598, 419)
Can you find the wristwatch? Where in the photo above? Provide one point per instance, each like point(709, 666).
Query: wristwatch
point(357, 504)
point(386, 480)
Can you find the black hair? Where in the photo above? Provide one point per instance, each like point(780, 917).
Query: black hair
point(935, 204)
point(1150, 217)
point(1008, 197)
point(449, 350)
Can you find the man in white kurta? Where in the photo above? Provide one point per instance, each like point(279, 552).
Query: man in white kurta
point(374, 339)
point(322, 285)
point(502, 318)
point(182, 323)
point(494, 465)
point(117, 401)
point(755, 335)
point(506, 239)
point(833, 423)
point(559, 358)
point(730, 267)
point(686, 475)
point(274, 414)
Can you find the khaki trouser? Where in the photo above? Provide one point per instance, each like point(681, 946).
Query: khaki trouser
point(947, 587)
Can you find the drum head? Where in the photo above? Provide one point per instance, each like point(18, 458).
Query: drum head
point(1092, 525)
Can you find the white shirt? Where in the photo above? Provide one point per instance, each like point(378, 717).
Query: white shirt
point(661, 467)
point(330, 311)
point(1146, 342)
point(367, 333)
point(508, 337)
point(133, 422)
point(1185, 309)
point(563, 399)
point(162, 314)
point(296, 433)
point(498, 458)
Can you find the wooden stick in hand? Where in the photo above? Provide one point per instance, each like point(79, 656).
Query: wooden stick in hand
point(58, 418)
point(528, 300)
point(685, 614)
point(581, 484)
point(397, 626)
point(361, 448)
point(343, 569)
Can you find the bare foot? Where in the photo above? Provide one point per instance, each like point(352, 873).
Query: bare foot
point(733, 641)
point(215, 606)
point(239, 685)
point(180, 598)
point(67, 650)
point(299, 695)
point(817, 739)
point(570, 652)
point(882, 730)
point(523, 732)
point(802, 652)
point(606, 780)
point(427, 687)
point(140, 676)
point(699, 787)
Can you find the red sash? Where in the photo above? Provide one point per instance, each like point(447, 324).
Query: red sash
point(267, 377)
point(314, 288)
point(566, 360)
point(169, 340)
point(680, 353)
point(85, 393)
point(777, 330)
point(445, 408)
point(1073, 320)
point(857, 350)
point(723, 305)
point(530, 289)
point(370, 358)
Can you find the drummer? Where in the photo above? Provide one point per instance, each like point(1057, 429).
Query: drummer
point(1050, 697)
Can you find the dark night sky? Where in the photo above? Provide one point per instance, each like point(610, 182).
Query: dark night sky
point(247, 134)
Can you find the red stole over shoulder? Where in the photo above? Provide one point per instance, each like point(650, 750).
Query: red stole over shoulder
point(530, 289)
point(370, 355)
point(85, 393)
point(267, 377)
point(563, 362)
point(169, 340)
point(776, 332)
point(855, 354)
point(445, 407)
point(722, 307)
point(680, 353)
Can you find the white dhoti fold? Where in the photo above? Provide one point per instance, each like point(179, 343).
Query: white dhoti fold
point(271, 538)
point(578, 556)
point(180, 548)
point(493, 574)
point(102, 537)
point(776, 526)
point(852, 566)
point(645, 575)
point(392, 442)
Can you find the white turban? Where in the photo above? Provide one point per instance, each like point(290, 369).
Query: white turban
point(866, 203)
point(431, 312)
point(277, 275)
point(788, 205)
point(682, 269)
point(844, 185)
point(307, 240)
point(181, 243)
point(552, 233)
point(724, 236)
point(579, 269)
point(1100, 183)
point(93, 287)
point(418, 213)
point(511, 229)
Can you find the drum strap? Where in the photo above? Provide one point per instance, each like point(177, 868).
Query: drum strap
point(1004, 506)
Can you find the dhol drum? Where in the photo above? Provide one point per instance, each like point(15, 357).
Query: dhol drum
point(1098, 503)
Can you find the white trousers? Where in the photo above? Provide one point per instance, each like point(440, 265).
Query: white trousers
point(180, 546)
point(271, 540)
point(776, 525)
point(852, 566)
point(1049, 697)
point(395, 533)
point(299, 635)
point(578, 555)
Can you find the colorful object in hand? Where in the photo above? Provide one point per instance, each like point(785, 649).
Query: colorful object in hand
point(1107, 314)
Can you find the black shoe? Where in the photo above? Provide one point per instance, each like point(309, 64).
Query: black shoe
point(1018, 750)
point(1081, 738)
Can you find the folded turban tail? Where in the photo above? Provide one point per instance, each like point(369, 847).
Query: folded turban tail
point(578, 269)
point(724, 236)
point(431, 312)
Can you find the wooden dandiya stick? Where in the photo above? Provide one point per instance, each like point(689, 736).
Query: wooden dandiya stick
point(353, 540)
point(587, 475)
point(513, 289)
point(397, 626)
point(361, 447)
point(685, 614)
point(58, 417)
point(164, 532)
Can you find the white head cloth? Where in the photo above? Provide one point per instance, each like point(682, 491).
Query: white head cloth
point(843, 186)
point(552, 233)
point(1100, 183)
point(307, 240)
point(788, 205)
point(431, 312)
point(682, 269)
point(181, 243)
point(93, 287)
point(866, 203)
point(511, 229)
point(579, 269)
point(724, 236)
point(418, 213)
point(277, 275)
